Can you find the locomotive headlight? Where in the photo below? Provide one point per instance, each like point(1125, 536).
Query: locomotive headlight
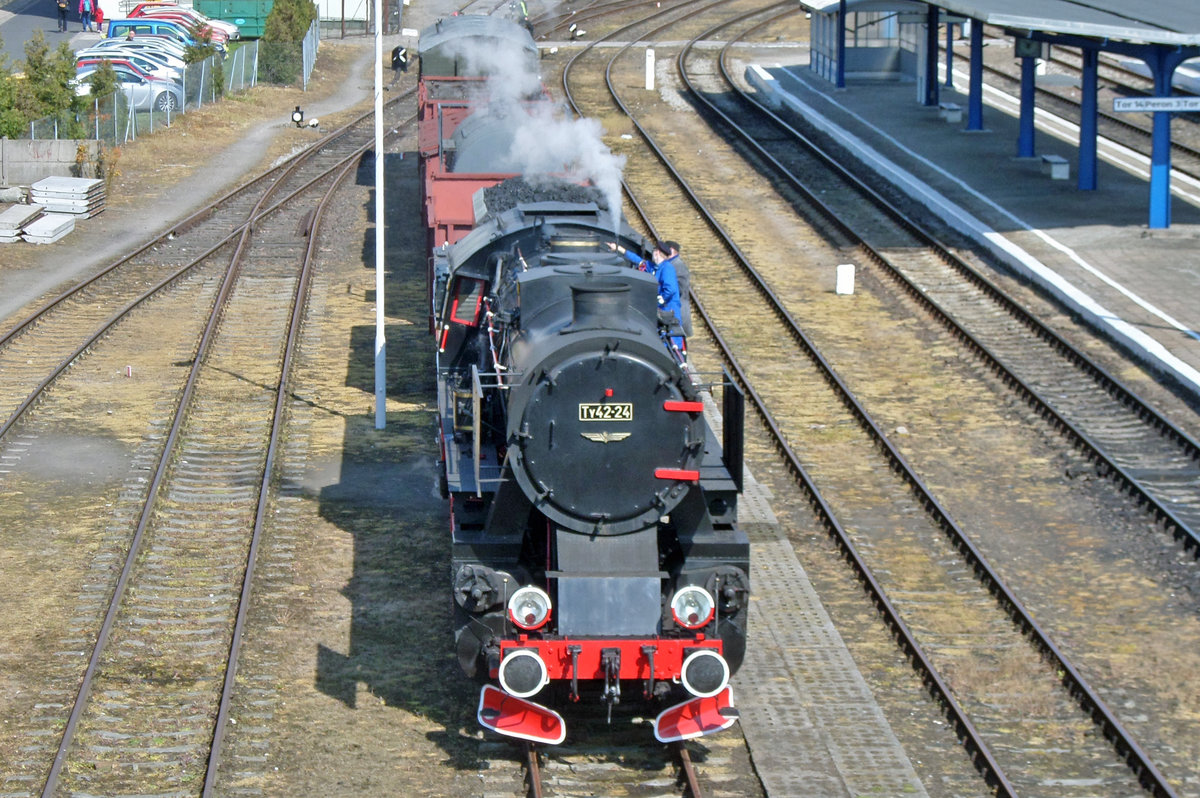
point(529, 608)
point(693, 607)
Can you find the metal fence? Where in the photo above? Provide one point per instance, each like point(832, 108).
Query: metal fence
point(205, 81)
point(114, 120)
point(241, 71)
point(111, 119)
point(290, 63)
point(308, 47)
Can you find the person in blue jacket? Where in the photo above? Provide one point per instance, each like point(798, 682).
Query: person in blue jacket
point(662, 266)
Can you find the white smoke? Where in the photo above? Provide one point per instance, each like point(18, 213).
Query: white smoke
point(510, 78)
point(550, 143)
point(547, 141)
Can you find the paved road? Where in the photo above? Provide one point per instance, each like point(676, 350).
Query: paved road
point(19, 20)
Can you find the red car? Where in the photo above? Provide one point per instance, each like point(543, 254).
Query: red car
point(137, 66)
point(218, 30)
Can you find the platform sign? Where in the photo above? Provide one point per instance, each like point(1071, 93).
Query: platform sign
point(1153, 104)
point(1028, 48)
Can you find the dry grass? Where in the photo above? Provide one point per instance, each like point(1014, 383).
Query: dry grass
point(156, 167)
point(171, 155)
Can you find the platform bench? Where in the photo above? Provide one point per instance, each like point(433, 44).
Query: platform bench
point(951, 112)
point(1056, 166)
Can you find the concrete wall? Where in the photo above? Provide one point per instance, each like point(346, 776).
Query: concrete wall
point(23, 162)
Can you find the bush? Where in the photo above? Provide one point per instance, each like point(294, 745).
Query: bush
point(279, 62)
point(289, 20)
point(44, 90)
point(103, 81)
point(280, 55)
point(12, 121)
point(48, 75)
point(203, 48)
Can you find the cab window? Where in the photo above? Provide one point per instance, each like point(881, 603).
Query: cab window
point(468, 295)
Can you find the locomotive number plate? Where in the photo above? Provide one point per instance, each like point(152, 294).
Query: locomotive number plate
point(606, 411)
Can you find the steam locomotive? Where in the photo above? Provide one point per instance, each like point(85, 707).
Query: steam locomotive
point(593, 510)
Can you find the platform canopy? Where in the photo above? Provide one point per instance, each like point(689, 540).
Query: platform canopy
point(1161, 33)
point(1145, 21)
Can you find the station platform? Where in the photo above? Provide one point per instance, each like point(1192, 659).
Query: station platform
point(1093, 250)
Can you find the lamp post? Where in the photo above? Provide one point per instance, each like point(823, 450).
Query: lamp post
point(380, 338)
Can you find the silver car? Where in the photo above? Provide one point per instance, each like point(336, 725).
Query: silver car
point(165, 57)
point(163, 96)
point(154, 43)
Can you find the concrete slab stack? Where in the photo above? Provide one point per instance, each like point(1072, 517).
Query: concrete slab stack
point(14, 218)
point(80, 196)
point(49, 228)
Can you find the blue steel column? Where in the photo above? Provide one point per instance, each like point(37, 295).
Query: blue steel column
point(931, 47)
point(1087, 121)
point(1160, 171)
point(949, 55)
point(975, 92)
point(1162, 64)
point(1025, 147)
point(841, 46)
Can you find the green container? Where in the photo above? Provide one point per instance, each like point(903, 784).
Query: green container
point(249, 15)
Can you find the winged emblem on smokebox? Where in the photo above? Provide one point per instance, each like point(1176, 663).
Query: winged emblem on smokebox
point(606, 437)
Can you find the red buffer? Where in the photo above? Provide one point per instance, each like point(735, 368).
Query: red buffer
point(696, 718)
point(516, 717)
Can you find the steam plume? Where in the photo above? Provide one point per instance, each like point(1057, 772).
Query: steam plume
point(546, 141)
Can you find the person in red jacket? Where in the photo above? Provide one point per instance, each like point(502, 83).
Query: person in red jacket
point(85, 13)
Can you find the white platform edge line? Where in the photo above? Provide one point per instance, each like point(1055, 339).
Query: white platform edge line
point(1008, 251)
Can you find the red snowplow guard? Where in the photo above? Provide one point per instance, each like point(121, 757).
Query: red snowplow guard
point(516, 717)
point(696, 718)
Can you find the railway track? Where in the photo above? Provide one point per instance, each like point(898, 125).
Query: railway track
point(148, 714)
point(618, 763)
point(1079, 397)
point(1152, 458)
point(561, 769)
point(1142, 766)
point(50, 338)
point(792, 751)
point(619, 759)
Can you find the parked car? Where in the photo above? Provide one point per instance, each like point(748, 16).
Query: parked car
point(189, 15)
point(120, 48)
point(189, 23)
point(168, 48)
point(142, 93)
point(154, 8)
point(88, 64)
point(146, 26)
point(173, 44)
point(140, 64)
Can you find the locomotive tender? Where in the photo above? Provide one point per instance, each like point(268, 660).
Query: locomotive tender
point(593, 510)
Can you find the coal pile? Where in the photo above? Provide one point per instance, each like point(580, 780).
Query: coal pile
point(517, 190)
